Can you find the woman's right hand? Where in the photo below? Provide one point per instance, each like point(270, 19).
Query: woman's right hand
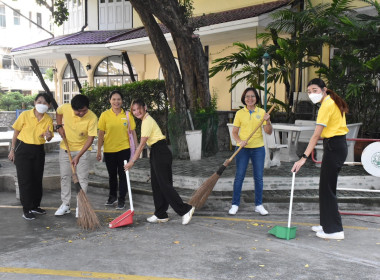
point(11, 156)
point(98, 156)
point(243, 143)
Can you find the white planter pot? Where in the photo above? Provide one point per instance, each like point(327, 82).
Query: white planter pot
point(194, 143)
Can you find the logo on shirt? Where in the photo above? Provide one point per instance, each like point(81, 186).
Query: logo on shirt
point(258, 117)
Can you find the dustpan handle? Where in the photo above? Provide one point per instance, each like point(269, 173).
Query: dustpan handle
point(291, 199)
point(129, 187)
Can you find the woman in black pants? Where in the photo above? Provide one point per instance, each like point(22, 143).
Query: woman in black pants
point(164, 193)
point(331, 126)
point(31, 130)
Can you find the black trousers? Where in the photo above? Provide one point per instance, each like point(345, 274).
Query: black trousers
point(164, 193)
point(115, 166)
point(334, 155)
point(30, 162)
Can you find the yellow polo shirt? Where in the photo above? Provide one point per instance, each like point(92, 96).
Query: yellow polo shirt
point(31, 129)
point(331, 118)
point(116, 130)
point(77, 129)
point(247, 122)
point(150, 129)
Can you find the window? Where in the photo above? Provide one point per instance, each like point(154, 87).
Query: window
point(39, 19)
point(3, 22)
point(16, 17)
point(70, 88)
point(115, 14)
point(113, 71)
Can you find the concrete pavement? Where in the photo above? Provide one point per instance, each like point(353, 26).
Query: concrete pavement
point(213, 246)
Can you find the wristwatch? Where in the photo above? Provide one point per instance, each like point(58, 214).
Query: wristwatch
point(304, 156)
point(58, 126)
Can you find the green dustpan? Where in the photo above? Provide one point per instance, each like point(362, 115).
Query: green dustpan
point(286, 232)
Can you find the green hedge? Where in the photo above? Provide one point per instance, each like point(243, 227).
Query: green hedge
point(153, 92)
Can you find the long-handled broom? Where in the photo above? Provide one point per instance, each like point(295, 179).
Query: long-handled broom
point(87, 218)
point(200, 196)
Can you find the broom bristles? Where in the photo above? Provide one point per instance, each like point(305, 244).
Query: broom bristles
point(200, 196)
point(87, 218)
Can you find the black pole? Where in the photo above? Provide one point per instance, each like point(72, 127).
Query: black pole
point(71, 63)
point(128, 62)
point(37, 71)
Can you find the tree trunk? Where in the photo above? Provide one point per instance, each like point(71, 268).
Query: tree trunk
point(171, 74)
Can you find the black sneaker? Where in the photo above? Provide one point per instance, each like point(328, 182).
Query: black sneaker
point(111, 201)
point(38, 211)
point(28, 215)
point(120, 205)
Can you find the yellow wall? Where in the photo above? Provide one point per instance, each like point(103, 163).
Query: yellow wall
point(214, 6)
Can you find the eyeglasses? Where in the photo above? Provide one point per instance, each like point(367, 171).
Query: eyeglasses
point(250, 96)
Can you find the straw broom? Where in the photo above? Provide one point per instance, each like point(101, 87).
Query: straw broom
point(87, 218)
point(200, 196)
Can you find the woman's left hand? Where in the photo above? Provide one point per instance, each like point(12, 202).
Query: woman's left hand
point(298, 164)
point(266, 117)
point(128, 165)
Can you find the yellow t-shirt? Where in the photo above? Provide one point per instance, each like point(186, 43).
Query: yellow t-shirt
point(150, 129)
point(77, 129)
point(247, 122)
point(31, 129)
point(116, 130)
point(331, 118)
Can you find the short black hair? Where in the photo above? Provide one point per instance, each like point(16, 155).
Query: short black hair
point(79, 102)
point(258, 99)
point(45, 96)
point(115, 92)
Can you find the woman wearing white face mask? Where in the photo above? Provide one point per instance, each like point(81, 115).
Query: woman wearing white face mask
point(31, 130)
point(331, 126)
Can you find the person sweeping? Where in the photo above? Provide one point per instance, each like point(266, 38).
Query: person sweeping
point(31, 130)
point(331, 126)
point(164, 193)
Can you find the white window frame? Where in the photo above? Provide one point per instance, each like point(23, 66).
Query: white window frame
point(3, 17)
point(115, 14)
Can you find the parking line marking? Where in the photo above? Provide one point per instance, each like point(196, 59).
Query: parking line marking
point(81, 274)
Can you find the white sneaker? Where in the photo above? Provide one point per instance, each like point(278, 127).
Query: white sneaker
point(261, 210)
point(154, 220)
point(335, 235)
point(62, 210)
point(233, 210)
point(317, 228)
point(187, 217)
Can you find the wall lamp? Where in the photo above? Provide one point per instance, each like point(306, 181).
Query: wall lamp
point(88, 66)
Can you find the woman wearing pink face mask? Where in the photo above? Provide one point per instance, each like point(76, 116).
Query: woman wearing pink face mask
point(331, 126)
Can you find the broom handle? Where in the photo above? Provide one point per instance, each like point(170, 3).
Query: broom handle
point(249, 137)
point(68, 152)
point(129, 187)
point(291, 199)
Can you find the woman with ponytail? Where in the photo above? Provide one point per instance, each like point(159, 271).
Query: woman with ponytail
point(331, 126)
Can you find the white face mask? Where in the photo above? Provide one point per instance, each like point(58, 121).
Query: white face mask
point(316, 97)
point(41, 108)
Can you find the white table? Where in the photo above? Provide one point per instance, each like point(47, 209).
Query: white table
point(290, 134)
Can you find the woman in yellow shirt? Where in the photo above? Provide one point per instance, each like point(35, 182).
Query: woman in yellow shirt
point(164, 193)
point(246, 120)
point(31, 130)
point(113, 132)
point(331, 126)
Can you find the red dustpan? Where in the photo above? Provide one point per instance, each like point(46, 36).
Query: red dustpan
point(127, 217)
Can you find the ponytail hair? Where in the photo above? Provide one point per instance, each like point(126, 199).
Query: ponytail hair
point(342, 105)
